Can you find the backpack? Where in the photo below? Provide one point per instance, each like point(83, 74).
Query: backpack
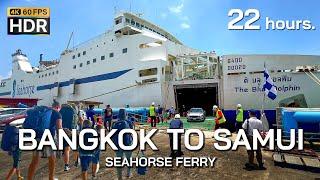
point(10, 138)
point(127, 138)
point(69, 117)
point(38, 119)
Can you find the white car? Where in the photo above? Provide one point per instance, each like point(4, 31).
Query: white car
point(5, 112)
point(196, 114)
point(12, 116)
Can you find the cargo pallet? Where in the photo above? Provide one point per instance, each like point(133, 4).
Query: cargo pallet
point(306, 163)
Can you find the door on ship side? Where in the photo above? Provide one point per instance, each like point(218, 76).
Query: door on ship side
point(203, 96)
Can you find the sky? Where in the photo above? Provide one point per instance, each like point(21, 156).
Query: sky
point(200, 24)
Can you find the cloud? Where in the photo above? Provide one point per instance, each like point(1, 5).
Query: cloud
point(163, 15)
point(185, 25)
point(176, 9)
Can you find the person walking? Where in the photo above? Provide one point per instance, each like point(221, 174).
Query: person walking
point(90, 113)
point(160, 112)
point(175, 123)
point(239, 117)
point(122, 123)
point(96, 154)
point(13, 150)
point(86, 156)
point(220, 120)
point(152, 114)
point(172, 112)
point(55, 124)
point(249, 125)
point(108, 117)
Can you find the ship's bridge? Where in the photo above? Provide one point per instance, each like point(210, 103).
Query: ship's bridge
point(126, 23)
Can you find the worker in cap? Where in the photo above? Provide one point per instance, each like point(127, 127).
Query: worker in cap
point(249, 125)
point(175, 123)
point(239, 117)
point(152, 115)
point(220, 120)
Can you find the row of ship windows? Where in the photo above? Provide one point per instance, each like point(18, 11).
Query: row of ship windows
point(138, 25)
point(111, 55)
point(124, 50)
point(48, 74)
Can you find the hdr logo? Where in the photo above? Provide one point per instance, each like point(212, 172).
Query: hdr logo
point(25, 20)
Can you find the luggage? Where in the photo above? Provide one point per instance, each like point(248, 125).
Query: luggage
point(127, 138)
point(10, 138)
point(69, 116)
point(38, 119)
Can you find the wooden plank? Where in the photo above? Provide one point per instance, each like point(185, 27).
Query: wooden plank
point(293, 160)
point(311, 162)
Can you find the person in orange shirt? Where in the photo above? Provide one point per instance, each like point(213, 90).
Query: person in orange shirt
point(220, 120)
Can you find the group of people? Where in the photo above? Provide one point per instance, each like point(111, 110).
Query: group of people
point(248, 125)
point(87, 120)
point(91, 120)
point(159, 114)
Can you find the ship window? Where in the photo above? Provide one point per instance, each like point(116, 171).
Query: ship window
point(148, 72)
point(127, 20)
point(103, 57)
point(124, 50)
point(142, 26)
point(84, 53)
point(45, 75)
point(133, 22)
point(53, 73)
point(138, 25)
point(57, 72)
point(149, 80)
point(74, 66)
point(94, 60)
point(111, 54)
point(152, 44)
point(88, 62)
point(80, 64)
point(39, 76)
point(118, 21)
point(74, 56)
point(49, 74)
point(78, 54)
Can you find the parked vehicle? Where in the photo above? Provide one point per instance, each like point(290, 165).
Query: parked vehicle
point(5, 112)
point(196, 114)
point(15, 119)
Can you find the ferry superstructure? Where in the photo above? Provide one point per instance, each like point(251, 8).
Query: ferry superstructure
point(125, 65)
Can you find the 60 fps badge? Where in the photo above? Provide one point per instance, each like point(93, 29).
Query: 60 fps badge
point(28, 20)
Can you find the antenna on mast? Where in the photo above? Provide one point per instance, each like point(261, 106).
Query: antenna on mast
point(71, 35)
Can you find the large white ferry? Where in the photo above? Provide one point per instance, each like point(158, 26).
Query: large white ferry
point(125, 65)
point(137, 63)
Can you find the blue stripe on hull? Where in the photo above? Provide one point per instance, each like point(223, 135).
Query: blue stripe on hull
point(5, 93)
point(85, 80)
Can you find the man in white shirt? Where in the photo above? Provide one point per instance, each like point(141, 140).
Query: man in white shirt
point(249, 125)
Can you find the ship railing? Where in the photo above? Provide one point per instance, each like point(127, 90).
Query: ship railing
point(91, 40)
